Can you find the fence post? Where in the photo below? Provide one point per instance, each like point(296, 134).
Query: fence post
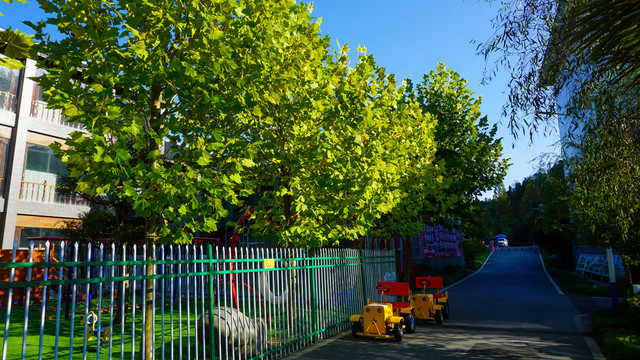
point(363, 278)
point(314, 313)
point(212, 338)
point(9, 301)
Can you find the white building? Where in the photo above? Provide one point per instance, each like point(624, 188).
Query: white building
point(31, 202)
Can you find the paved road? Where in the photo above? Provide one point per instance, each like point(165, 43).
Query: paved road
point(508, 310)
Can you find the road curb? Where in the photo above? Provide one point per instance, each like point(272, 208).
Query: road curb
point(549, 276)
point(583, 323)
point(470, 275)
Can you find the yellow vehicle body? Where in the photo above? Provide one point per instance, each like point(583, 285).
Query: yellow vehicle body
point(377, 320)
point(443, 299)
point(427, 308)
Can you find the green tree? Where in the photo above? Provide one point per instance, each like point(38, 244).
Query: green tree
point(606, 196)
point(182, 103)
point(468, 153)
point(580, 49)
point(584, 51)
point(536, 211)
point(267, 108)
point(500, 209)
point(331, 173)
point(606, 32)
point(14, 45)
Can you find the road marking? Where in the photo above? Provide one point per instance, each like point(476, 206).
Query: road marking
point(549, 276)
point(579, 320)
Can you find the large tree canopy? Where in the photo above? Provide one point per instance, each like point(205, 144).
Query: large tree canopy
point(336, 168)
point(187, 106)
point(606, 181)
point(467, 152)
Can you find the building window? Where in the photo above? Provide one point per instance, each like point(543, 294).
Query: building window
point(41, 177)
point(23, 233)
point(4, 156)
point(41, 112)
point(9, 81)
point(41, 159)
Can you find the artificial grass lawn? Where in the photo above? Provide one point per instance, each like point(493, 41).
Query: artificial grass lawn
point(277, 332)
point(618, 336)
point(32, 343)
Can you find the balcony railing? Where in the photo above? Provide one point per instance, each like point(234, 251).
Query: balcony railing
point(44, 193)
point(40, 112)
point(8, 101)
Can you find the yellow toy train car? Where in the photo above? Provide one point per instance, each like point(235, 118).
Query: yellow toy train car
point(382, 319)
point(431, 306)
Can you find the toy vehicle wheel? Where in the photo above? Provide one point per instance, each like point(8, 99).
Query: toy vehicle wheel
point(410, 322)
point(355, 329)
point(445, 308)
point(439, 317)
point(398, 332)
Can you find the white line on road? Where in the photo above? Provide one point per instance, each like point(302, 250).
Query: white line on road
point(549, 276)
point(472, 274)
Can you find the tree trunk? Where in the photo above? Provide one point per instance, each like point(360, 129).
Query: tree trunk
point(121, 313)
point(628, 282)
point(148, 316)
point(153, 126)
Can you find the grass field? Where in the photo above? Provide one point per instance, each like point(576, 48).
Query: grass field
point(618, 336)
point(66, 342)
point(280, 330)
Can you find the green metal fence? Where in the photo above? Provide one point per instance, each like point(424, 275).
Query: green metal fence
point(95, 302)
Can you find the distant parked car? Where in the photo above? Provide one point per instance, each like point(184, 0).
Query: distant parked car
point(502, 242)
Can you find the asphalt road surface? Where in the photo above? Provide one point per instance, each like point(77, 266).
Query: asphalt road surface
point(508, 310)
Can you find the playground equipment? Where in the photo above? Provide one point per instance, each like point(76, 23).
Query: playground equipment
point(378, 319)
point(92, 320)
point(431, 306)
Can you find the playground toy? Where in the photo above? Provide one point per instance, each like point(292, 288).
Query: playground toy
point(92, 320)
point(431, 306)
point(382, 319)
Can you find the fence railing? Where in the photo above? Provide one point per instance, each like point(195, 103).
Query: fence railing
point(41, 112)
point(94, 302)
point(8, 101)
point(46, 193)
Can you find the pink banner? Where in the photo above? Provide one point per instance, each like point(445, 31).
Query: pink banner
point(438, 241)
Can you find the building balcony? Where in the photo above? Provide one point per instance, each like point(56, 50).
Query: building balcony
point(51, 194)
point(8, 101)
point(40, 112)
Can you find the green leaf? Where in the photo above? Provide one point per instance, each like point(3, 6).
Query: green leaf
point(235, 178)
point(15, 45)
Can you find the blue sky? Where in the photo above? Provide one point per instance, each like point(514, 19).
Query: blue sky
point(409, 38)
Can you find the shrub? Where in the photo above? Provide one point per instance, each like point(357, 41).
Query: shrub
point(451, 269)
